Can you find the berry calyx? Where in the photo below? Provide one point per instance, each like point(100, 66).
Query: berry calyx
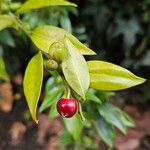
point(51, 65)
point(67, 107)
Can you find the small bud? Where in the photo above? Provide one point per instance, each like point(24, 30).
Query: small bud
point(51, 65)
point(56, 51)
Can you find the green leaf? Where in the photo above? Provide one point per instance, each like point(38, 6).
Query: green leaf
point(33, 82)
point(3, 73)
point(52, 93)
point(65, 139)
point(6, 21)
point(74, 126)
point(115, 116)
point(105, 131)
point(49, 84)
point(88, 143)
point(93, 97)
point(103, 95)
point(66, 23)
point(51, 96)
point(36, 4)
point(110, 77)
point(127, 120)
point(6, 38)
point(53, 111)
point(112, 115)
point(75, 70)
point(43, 37)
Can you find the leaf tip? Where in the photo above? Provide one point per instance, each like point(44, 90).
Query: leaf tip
point(140, 80)
point(75, 5)
point(37, 121)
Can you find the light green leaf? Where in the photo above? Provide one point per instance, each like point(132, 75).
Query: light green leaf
point(3, 73)
point(6, 21)
point(65, 139)
point(74, 126)
point(93, 97)
point(33, 82)
point(84, 50)
point(110, 77)
point(115, 116)
point(6, 38)
point(127, 120)
point(112, 115)
point(49, 84)
point(44, 36)
point(50, 98)
point(36, 4)
point(105, 131)
point(75, 70)
point(66, 23)
point(52, 93)
point(53, 111)
point(103, 95)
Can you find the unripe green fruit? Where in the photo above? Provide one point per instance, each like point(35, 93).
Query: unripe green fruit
point(56, 51)
point(51, 65)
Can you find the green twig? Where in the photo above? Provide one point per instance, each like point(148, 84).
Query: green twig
point(68, 91)
point(81, 112)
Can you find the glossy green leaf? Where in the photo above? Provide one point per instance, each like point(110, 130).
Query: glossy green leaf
point(49, 84)
point(93, 97)
point(115, 116)
point(6, 21)
point(127, 121)
point(44, 36)
point(105, 131)
point(66, 23)
point(75, 70)
point(53, 111)
point(110, 77)
point(36, 4)
point(74, 126)
point(33, 82)
point(103, 95)
point(112, 115)
point(52, 93)
point(50, 98)
point(3, 73)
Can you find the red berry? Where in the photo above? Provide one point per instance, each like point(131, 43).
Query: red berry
point(67, 107)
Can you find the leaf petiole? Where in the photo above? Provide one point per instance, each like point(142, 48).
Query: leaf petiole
point(68, 91)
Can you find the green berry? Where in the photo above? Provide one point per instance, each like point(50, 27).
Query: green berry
point(51, 65)
point(56, 51)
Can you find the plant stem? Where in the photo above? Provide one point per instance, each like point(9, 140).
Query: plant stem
point(20, 24)
point(81, 112)
point(68, 91)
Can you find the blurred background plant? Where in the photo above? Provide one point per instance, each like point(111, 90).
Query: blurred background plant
point(119, 31)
